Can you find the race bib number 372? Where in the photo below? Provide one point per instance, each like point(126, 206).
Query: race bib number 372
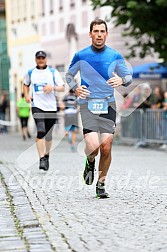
point(98, 106)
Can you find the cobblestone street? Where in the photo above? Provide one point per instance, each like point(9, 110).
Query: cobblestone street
point(56, 211)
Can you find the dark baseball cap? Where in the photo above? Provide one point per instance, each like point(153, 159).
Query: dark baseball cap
point(40, 54)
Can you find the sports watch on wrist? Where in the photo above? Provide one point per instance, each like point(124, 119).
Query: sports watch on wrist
point(123, 80)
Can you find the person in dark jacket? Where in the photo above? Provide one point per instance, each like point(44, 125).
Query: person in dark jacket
point(3, 106)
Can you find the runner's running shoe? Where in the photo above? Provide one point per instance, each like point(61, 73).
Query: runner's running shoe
point(44, 163)
point(47, 161)
point(88, 173)
point(100, 191)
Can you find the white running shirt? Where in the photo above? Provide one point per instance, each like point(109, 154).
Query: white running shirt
point(40, 78)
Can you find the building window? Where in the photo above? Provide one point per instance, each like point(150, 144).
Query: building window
point(84, 19)
point(84, 1)
point(51, 7)
point(14, 31)
point(20, 59)
point(35, 27)
point(15, 81)
point(22, 11)
point(12, 11)
point(52, 27)
point(72, 3)
point(18, 10)
point(25, 10)
point(21, 85)
point(61, 25)
point(73, 19)
point(44, 30)
point(43, 7)
point(32, 9)
point(60, 5)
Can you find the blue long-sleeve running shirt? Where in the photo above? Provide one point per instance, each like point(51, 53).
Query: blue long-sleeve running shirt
point(96, 67)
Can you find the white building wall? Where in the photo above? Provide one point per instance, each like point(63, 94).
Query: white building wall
point(81, 15)
point(56, 43)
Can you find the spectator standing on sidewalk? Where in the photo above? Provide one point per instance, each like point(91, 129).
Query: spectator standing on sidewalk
point(3, 107)
point(148, 97)
point(45, 82)
point(23, 112)
point(102, 69)
point(164, 107)
point(159, 95)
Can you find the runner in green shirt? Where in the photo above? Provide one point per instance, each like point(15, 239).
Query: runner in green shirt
point(23, 112)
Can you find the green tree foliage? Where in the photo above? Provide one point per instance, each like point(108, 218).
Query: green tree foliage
point(145, 20)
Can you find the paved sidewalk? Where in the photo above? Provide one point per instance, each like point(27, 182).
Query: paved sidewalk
point(20, 229)
point(55, 211)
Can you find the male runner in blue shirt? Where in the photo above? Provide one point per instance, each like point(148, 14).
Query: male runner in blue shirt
point(101, 70)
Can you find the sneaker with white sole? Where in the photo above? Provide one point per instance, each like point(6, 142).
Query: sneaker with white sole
point(100, 191)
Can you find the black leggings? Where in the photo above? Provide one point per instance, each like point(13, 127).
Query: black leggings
point(24, 122)
point(44, 121)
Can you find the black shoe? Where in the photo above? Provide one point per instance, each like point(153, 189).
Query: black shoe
point(44, 163)
point(88, 173)
point(28, 134)
point(100, 191)
point(47, 160)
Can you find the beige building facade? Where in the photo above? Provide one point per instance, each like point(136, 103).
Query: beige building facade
point(23, 41)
